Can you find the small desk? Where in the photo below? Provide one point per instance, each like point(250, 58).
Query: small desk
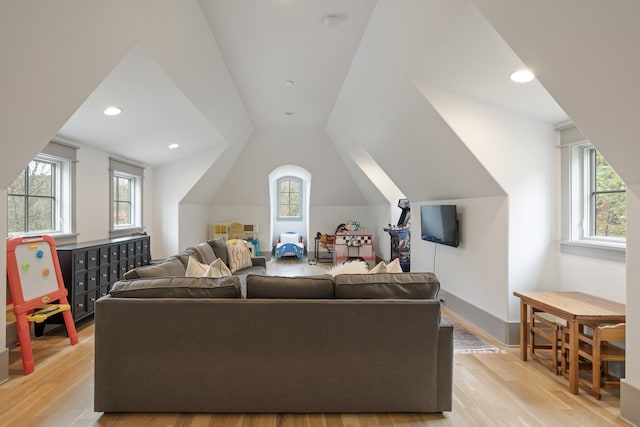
point(577, 309)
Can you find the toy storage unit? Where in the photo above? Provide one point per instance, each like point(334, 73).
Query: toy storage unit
point(90, 269)
point(352, 246)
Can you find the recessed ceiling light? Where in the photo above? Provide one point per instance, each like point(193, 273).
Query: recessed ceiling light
point(289, 83)
point(112, 111)
point(288, 113)
point(173, 146)
point(522, 76)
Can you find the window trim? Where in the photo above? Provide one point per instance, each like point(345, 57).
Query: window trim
point(120, 168)
point(575, 201)
point(300, 183)
point(63, 154)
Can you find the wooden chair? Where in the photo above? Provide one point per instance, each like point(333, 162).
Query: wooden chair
point(550, 329)
point(598, 350)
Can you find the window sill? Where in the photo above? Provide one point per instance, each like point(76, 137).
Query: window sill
point(60, 238)
point(595, 249)
point(128, 231)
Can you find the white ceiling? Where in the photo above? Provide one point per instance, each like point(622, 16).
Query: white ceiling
point(266, 42)
point(155, 113)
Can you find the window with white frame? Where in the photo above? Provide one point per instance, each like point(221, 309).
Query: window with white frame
point(290, 198)
point(126, 196)
point(594, 196)
point(40, 200)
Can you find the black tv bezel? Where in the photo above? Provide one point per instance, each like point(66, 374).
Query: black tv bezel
point(433, 239)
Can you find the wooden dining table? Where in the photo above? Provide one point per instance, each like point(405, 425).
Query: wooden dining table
point(577, 309)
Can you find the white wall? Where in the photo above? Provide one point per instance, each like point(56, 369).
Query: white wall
point(171, 183)
point(92, 194)
point(633, 290)
point(520, 154)
point(477, 270)
point(602, 277)
point(3, 266)
point(193, 224)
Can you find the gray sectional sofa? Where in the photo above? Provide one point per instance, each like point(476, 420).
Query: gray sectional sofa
point(206, 253)
point(353, 343)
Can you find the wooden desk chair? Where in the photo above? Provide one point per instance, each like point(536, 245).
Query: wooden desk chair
point(598, 350)
point(550, 329)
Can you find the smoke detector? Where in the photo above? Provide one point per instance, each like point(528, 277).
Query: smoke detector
point(331, 21)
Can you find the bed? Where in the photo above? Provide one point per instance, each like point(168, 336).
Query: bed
point(289, 244)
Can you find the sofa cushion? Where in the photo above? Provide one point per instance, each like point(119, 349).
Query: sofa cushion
point(303, 287)
point(183, 256)
point(219, 246)
point(177, 287)
point(171, 267)
point(387, 286)
point(239, 255)
point(205, 253)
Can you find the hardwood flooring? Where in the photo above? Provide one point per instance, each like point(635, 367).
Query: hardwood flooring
point(489, 390)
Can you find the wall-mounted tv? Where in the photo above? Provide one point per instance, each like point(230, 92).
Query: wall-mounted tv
point(440, 224)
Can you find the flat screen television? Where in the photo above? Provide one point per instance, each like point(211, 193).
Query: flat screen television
point(439, 224)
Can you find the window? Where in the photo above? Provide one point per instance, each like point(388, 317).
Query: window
point(123, 200)
point(40, 199)
point(126, 197)
point(594, 196)
point(289, 198)
point(607, 198)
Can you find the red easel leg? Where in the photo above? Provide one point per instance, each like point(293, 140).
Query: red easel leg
point(24, 338)
point(71, 327)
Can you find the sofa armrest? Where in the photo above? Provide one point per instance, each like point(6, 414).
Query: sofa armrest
point(259, 261)
point(445, 365)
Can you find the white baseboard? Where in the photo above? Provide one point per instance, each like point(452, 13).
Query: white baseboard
point(629, 408)
point(4, 365)
point(507, 333)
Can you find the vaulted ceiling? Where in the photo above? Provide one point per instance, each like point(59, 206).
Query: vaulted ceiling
point(289, 60)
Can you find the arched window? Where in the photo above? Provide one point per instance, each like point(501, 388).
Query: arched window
point(290, 198)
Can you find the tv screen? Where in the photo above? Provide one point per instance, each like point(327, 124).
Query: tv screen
point(440, 224)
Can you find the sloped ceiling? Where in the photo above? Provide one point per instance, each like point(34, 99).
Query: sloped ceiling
point(354, 82)
point(584, 52)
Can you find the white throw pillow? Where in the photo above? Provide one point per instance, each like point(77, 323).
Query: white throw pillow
point(239, 255)
point(197, 269)
point(394, 266)
point(379, 268)
point(351, 267)
point(217, 269)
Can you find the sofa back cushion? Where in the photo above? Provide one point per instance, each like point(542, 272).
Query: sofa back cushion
point(171, 267)
point(219, 246)
point(177, 287)
point(184, 255)
point(387, 286)
point(205, 253)
point(304, 287)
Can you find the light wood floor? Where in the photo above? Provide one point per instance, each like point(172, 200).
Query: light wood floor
point(489, 390)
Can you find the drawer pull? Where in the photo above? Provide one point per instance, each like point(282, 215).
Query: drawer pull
point(81, 305)
point(92, 299)
point(80, 261)
point(80, 283)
